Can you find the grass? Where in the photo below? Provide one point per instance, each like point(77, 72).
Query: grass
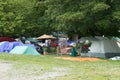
point(38, 65)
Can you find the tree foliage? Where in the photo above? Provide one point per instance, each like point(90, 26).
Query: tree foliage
point(12, 15)
point(82, 17)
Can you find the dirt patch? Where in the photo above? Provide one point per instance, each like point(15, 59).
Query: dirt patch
point(56, 72)
point(33, 72)
point(5, 66)
point(80, 58)
point(4, 69)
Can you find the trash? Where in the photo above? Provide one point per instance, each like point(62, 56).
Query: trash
point(115, 58)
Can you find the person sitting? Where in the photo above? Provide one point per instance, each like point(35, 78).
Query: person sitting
point(39, 48)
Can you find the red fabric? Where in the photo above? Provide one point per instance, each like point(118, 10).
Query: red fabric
point(6, 39)
point(85, 46)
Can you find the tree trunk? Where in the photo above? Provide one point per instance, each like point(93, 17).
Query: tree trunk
point(75, 37)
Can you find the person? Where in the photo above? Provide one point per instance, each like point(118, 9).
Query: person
point(47, 43)
point(58, 49)
point(39, 48)
point(73, 51)
point(27, 42)
point(23, 39)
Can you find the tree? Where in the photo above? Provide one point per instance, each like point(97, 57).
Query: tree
point(83, 17)
point(12, 15)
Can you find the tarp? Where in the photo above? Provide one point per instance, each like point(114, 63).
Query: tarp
point(8, 46)
point(24, 50)
point(4, 47)
point(1, 43)
point(71, 43)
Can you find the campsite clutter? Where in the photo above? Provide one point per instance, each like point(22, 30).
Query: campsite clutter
point(18, 46)
point(23, 45)
point(45, 44)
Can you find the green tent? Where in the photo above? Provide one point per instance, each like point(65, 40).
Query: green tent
point(24, 50)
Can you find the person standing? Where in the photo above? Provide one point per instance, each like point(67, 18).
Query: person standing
point(73, 51)
point(47, 43)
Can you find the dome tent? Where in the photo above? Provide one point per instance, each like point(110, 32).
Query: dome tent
point(103, 47)
point(29, 50)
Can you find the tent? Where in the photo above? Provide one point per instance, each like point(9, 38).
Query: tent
point(103, 47)
point(8, 46)
point(88, 38)
point(6, 39)
point(29, 50)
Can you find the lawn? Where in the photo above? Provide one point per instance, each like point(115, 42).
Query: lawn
point(50, 68)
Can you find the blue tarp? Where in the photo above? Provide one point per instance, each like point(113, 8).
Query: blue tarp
point(69, 42)
point(8, 46)
point(4, 47)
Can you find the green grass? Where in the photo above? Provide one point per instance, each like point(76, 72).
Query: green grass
point(97, 70)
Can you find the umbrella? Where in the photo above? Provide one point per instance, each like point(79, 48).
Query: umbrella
point(46, 37)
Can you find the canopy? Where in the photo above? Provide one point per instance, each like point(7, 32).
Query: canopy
point(46, 37)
